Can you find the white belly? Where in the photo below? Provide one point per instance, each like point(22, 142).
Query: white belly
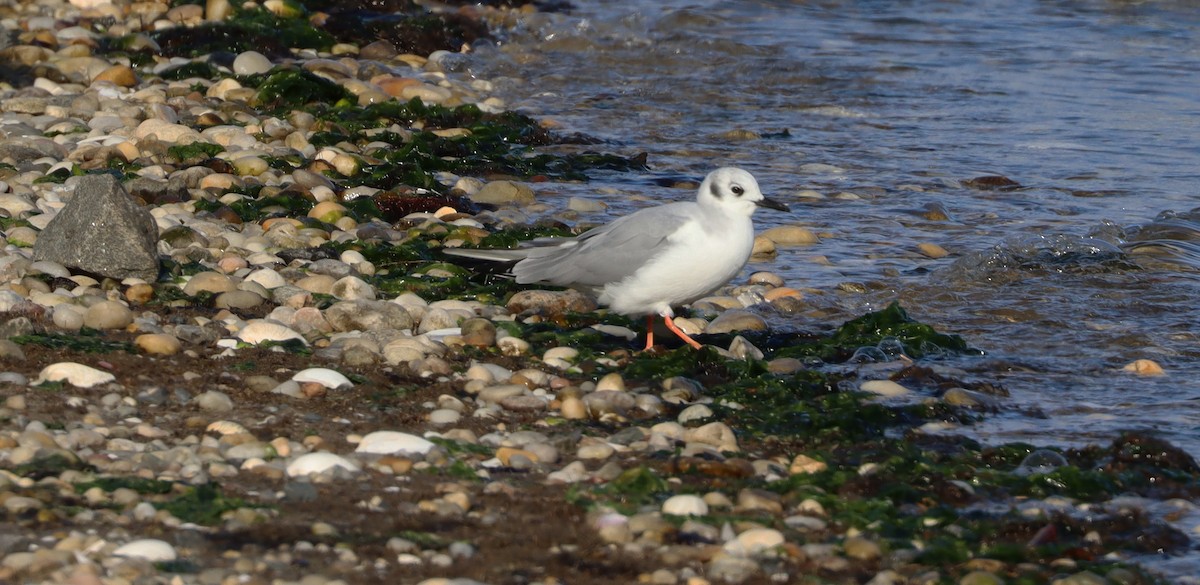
point(684, 273)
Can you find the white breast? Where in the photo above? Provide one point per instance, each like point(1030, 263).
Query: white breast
point(695, 263)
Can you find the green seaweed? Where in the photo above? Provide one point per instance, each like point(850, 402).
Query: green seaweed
point(202, 504)
point(194, 152)
point(254, 29)
point(890, 325)
point(50, 466)
point(140, 485)
point(192, 69)
point(288, 88)
point(86, 340)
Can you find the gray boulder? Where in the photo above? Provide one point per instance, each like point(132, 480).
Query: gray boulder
point(102, 231)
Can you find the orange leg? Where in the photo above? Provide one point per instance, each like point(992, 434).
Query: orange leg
point(649, 332)
point(684, 336)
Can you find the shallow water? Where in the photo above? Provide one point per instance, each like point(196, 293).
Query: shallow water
point(888, 107)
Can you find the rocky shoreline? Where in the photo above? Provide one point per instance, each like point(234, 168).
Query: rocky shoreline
point(233, 354)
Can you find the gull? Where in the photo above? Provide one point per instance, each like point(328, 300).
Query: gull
point(654, 259)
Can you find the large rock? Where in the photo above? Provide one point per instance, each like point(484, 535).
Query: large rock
point(102, 231)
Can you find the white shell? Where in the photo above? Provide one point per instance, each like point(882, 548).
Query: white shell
point(392, 443)
point(320, 462)
point(226, 427)
point(258, 331)
point(149, 549)
point(74, 374)
point(323, 376)
point(685, 505)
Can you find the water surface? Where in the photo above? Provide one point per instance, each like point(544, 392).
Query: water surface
point(872, 116)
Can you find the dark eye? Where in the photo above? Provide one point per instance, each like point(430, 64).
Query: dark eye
point(737, 190)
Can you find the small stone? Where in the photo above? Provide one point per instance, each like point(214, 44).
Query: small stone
point(393, 443)
point(803, 464)
point(478, 332)
point(444, 416)
point(716, 434)
point(932, 250)
point(504, 193)
point(148, 549)
point(886, 388)
point(967, 398)
point(754, 541)
point(250, 63)
point(107, 315)
point(259, 331)
point(212, 282)
point(238, 299)
point(507, 454)
point(756, 500)
point(582, 205)
point(986, 578)
point(119, 75)
point(1144, 367)
point(214, 401)
point(694, 413)
point(862, 549)
point(550, 303)
point(573, 408)
point(791, 235)
point(685, 505)
point(320, 462)
point(736, 320)
point(74, 374)
point(158, 344)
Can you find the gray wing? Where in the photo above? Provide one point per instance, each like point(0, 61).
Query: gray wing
point(605, 254)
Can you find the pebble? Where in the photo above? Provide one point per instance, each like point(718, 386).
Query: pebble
point(319, 463)
point(1144, 367)
point(754, 542)
point(504, 193)
point(158, 343)
point(932, 250)
point(736, 320)
point(791, 235)
point(251, 63)
point(685, 505)
point(393, 443)
point(108, 315)
point(260, 331)
point(148, 549)
point(75, 374)
point(214, 401)
point(886, 388)
point(324, 376)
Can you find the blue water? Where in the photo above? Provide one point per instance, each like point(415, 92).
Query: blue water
point(1092, 107)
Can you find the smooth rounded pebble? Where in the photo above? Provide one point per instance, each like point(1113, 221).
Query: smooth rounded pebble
point(883, 388)
point(147, 549)
point(314, 463)
point(74, 374)
point(323, 376)
point(107, 315)
point(158, 344)
point(685, 505)
point(259, 331)
point(754, 541)
point(1144, 367)
point(393, 443)
point(213, 282)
